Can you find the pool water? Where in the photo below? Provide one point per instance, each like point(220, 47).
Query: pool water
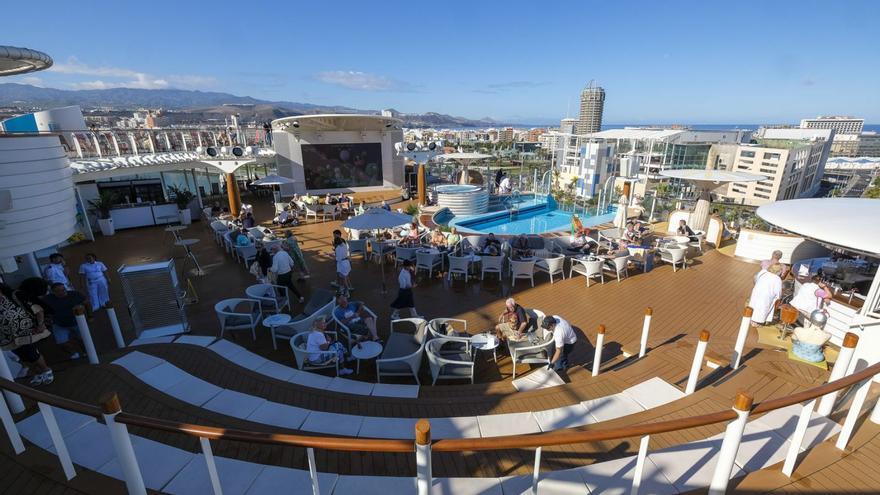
point(531, 220)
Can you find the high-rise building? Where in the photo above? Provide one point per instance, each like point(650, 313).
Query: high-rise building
point(592, 105)
point(840, 124)
point(568, 126)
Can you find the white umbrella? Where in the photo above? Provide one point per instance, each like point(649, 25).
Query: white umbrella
point(377, 218)
point(273, 180)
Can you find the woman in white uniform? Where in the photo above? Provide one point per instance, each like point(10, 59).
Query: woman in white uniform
point(95, 282)
point(343, 265)
point(767, 290)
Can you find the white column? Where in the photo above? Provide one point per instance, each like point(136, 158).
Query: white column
point(211, 465)
point(131, 472)
point(640, 465)
point(57, 440)
point(850, 340)
point(597, 356)
point(85, 334)
point(797, 438)
point(875, 413)
point(9, 426)
point(852, 416)
point(114, 324)
point(730, 445)
point(423, 457)
point(313, 471)
point(697, 365)
point(741, 337)
point(646, 327)
point(536, 474)
point(14, 400)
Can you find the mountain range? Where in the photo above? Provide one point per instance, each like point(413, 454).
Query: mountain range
point(202, 104)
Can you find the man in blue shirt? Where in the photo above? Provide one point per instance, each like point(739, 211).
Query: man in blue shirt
point(61, 302)
point(355, 316)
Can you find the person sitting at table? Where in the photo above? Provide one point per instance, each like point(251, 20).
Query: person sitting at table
point(491, 245)
point(248, 222)
point(581, 243)
point(438, 240)
point(811, 296)
point(452, 239)
point(684, 230)
point(631, 234)
point(521, 247)
point(385, 205)
point(354, 315)
point(322, 349)
point(512, 323)
point(225, 215)
point(285, 218)
point(620, 251)
point(262, 263)
point(242, 238)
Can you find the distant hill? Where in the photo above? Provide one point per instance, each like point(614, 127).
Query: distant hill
point(205, 104)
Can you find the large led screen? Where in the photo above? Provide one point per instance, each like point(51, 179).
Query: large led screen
point(331, 166)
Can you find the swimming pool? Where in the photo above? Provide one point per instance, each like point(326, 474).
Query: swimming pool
point(530, 220)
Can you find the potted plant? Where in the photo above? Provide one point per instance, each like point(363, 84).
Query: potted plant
point(183, 197)
point(102, 207)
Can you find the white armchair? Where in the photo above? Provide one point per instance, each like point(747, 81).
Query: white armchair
point(459, 326)
point(312, 211)
point(428, 261)
point(298, 345)
point(701, 238)
point(457, 366)
point(320, 304)
point(330, 210)
point(522, 269)
point(621, 265)
point(343, 329)
point(552, 266)
point(219, 227)
point(357, 246)
point(459, 265)
point(538, 352)
point(273, 298)
point(491, 264)
point(402, 355)
point(246, 254)
point(239, 314)
point(402, 254)
point(586, 268)
point(674, 256)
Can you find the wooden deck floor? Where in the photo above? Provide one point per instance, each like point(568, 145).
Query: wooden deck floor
point(708, 295)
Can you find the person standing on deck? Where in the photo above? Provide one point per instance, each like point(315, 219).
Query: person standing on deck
point(343, 264)
point(93, 279)
point(282, 266)
point(56, 271)
point(767, 290)
point(297, 254)
point(404, 298)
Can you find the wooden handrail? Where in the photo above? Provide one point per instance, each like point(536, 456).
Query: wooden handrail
point(559, 437)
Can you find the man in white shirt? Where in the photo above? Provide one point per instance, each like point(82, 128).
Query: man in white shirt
point(564, 338)
point(56, 271)
point(282, 267)
point(505, 185)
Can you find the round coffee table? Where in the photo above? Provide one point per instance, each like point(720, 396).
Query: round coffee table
point(485, 342)
point(273, 321)
point(365, 350)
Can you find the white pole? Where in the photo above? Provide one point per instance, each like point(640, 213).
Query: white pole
point(14, 400)
point(653, 204)
point(536, 474)
point(855, 409)
point(9, 426)
point(730, 445)
point(114, 324)
point(212, 466)
point(84, 334)
point(597, 356)
point(875, 413)
point(850, 340)
point(423, 457)
point(797, 438)
point(697, 365)
point(313, 471)
point(57, 440)
point(131, 473)
point(646, 327)
point(640, 465)
point(741, 337)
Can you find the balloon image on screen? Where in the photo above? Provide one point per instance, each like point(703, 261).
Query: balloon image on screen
point(336, 166)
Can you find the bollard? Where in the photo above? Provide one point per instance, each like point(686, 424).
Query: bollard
point(131, 473)
point(841, 366)
point(643, 345)
point(85, 334)
point(597, 357)
point(697, 365)
point(114, 324)
point(742, 404)
point(741, 337)
point(423, 456)
point(13, 400)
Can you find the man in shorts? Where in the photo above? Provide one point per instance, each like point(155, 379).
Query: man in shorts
point(513, 322)
point(355, 316)
point(61, 303)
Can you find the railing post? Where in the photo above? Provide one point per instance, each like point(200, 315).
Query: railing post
point(85, 334)
point(114, 324)
point(9, 425)
point(423, 456)
point(313, 471)
point(850, 340)
point(875, 413)
point(797, 438)
point(13, 401)
point(741, 337)
point(742, 404)
point(855, 408)
point(640, 465)
point(697, 365)
point(646, 327)
point(536, 474)
point(134, 481)
point(211, 465)
point(57, 440)
point(597, 356)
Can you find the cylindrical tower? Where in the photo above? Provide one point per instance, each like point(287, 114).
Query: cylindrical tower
point(592, 106)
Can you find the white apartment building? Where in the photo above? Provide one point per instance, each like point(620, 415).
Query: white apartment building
point(793, 160)
point(840, 124)
point(586, 161)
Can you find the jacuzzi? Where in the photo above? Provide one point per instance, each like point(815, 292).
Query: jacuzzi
point(463, 199)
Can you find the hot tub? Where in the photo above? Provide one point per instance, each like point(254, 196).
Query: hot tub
point(463, 199)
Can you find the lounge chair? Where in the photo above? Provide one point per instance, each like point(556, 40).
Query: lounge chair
point(273, 298)
point(537, 351)
point(301, 355)
point(674, 256)
point(491, 264)
point(343, 329)
point(522, 269)
point(320, 304)
point(402, 355)
point(621, 265)
point(446, 365)
point(552, 266)
point(239, 314)
point(586, 268)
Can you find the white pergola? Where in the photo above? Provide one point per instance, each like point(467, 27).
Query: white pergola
point(706, 180)
point(465, 160)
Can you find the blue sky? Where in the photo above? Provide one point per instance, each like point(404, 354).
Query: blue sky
point(659, 62)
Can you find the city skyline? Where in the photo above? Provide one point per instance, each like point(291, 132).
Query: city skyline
point(482, 61)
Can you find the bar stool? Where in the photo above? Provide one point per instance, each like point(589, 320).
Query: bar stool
point(788, 316)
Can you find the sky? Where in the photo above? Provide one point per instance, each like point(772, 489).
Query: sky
point(659, 62)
